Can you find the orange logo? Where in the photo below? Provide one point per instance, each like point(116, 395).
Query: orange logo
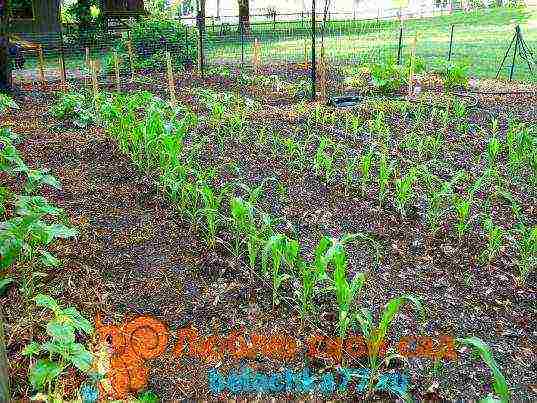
point(130, 345)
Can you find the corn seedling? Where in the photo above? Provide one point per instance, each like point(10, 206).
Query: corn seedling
point(500, 384)
point(438, 195)
point(495, 235)
point(404, 191)
point(278, 249)
point(527, 250)
point(366, 163)
point(310, 275)
point(493, 150)
point(386, 171)
point(462, 208)
point(242, 214)
point(375, 336)
point(324, 159)
point(211, 212)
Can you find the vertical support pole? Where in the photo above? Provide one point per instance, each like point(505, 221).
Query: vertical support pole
point(411, 72)
point(4, 366)
point(88, 65)
point(400, 45)
point(95, 82)
point(313, 55)
point(116, 67)
point(171, 81)
point(41, 66)
point(451, 42)
point(131, 57)
point(201, 23)
point(62, 52)
point(186, 37)
point(241, 28)
point(517, 40)
point(63, 85)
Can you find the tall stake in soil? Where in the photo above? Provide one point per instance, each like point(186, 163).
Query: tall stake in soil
point(4, 367)
point(41, 66)
point(411, 73)
point(116, 67)
point(95, 82)
point(171, 82)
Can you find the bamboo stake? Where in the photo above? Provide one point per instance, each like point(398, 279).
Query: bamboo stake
point(256, 58)
point(131, 58)
point(171, 82)
point(88, 61)
point(322, 81)
point(63, 78)
point(41, 66)
point(4, 365)
point(411, 72)
point(306, 54)
point(95, 82)
point(116, 66)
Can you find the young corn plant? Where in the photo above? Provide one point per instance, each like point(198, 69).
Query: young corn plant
point(462, 207)
point(366, 163)
point(211, 204)
point(324, 160)
point(375, 336)
point(494, 148)
point(242, 215)
point(351, 167)
point(404, 192)
point(279, 249)
point(311, 275)
point(495, 235)
point(499, 384)
point(527, 250)
point(386, 171)
point(438, 195)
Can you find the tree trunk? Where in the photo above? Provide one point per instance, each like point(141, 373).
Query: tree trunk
point(244, 15)
point(5, 65)
point(4, 373)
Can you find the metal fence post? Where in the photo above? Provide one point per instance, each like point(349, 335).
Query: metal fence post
point(201, 23)
point(241, 27)
point(313, 55)
point(400, 44)
point(451, 43)
point(517, 36)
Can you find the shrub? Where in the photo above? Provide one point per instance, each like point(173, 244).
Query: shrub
point(455, 75)
point(151, 38)
point(387, 77)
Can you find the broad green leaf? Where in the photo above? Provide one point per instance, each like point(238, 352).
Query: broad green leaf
point(78, 321)
point(80, 357)
point(61, 231)
point(48, 259)
point(61, 332)
point(47, 302)
point(43, 372)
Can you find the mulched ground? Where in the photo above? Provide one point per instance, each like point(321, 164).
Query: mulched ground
point(135, 255)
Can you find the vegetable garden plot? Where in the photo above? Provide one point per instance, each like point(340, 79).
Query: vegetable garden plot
point(230, 213)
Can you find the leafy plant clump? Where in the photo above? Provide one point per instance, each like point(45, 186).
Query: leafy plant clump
point(75, 106)
point(150, 38)
point(63, 351)
point(455, 75)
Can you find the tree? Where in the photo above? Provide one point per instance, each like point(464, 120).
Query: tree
point(5, 65)
point(244, 14)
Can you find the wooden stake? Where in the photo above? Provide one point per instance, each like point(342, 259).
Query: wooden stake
point(322, 81)
point(63, 78)
point(94, 81)
point(41, 65)
point(411, 72)
point(131, 58)
point(256, 59)
point(116, 66)
point(88, 61)
point(171, 82)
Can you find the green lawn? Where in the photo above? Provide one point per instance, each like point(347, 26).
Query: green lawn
point(480, 38)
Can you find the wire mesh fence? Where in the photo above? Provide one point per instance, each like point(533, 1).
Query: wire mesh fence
point(275, 41)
